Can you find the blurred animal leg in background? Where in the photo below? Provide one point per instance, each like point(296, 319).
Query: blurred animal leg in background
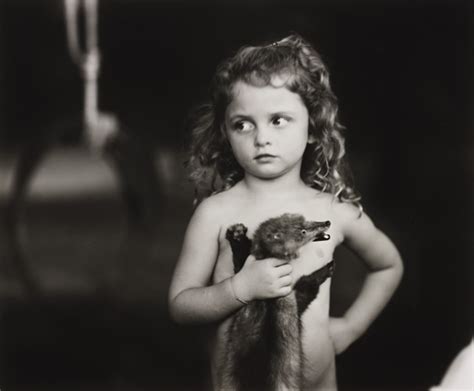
point(28, 161)
point(133, 163)
point(104, 133)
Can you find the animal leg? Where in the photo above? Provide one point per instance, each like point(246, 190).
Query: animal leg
point(307, 287)
point(240, 244)
point(28, 161)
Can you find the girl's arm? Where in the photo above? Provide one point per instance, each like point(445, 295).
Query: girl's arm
point(191, 297)
point(385, 269)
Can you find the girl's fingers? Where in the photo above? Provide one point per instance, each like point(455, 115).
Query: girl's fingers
point(284, 270)
point(286, 281)
point(278, 262)
point(286, 290)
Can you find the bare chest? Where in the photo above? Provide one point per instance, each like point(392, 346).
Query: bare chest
point(311, 256)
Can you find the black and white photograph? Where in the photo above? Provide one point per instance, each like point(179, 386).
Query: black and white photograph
point(233, 195)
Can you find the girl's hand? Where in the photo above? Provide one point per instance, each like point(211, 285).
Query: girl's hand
point(263, 279)
point(342, 334)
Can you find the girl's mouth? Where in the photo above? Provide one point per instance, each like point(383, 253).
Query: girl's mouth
point(264, 156)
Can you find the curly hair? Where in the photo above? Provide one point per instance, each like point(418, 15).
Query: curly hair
point(212, 163)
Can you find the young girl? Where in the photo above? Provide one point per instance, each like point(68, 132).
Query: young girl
point(270, 143)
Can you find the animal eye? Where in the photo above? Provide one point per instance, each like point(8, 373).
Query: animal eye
point(303, 231)
point(242, 126)
point(279, 121)
point(276, 236)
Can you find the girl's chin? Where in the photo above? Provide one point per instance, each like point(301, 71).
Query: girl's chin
point(268, 175)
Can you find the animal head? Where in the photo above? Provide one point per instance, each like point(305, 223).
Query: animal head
point(282, 237)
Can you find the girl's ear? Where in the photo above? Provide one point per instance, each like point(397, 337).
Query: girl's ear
point(311, 138)
point(311, 131)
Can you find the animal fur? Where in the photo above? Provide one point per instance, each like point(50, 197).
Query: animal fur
point(263, 347)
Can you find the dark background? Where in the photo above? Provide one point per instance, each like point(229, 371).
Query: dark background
point(402, 71)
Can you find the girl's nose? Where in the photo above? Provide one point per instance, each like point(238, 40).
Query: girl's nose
point(262, 137)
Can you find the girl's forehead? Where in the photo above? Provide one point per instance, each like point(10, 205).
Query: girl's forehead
point(271, 97)
point(280, 79)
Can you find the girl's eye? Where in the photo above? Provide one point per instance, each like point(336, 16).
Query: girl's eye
point(242, 126)
point(280, 121)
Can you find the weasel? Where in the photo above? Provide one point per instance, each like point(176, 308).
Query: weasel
point(263, 345)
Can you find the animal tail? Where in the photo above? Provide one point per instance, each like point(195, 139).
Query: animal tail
point(264, 347)
point(252, 349)
point(286, 356)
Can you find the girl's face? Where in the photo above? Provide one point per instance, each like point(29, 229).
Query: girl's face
point(267, 128)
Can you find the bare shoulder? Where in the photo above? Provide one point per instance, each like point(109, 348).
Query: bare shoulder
point(352, 220)
point(364, 238)
point(347, 211)
point(217, 205)
point(211, 215)
point(208, 208)
point(343, 212)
